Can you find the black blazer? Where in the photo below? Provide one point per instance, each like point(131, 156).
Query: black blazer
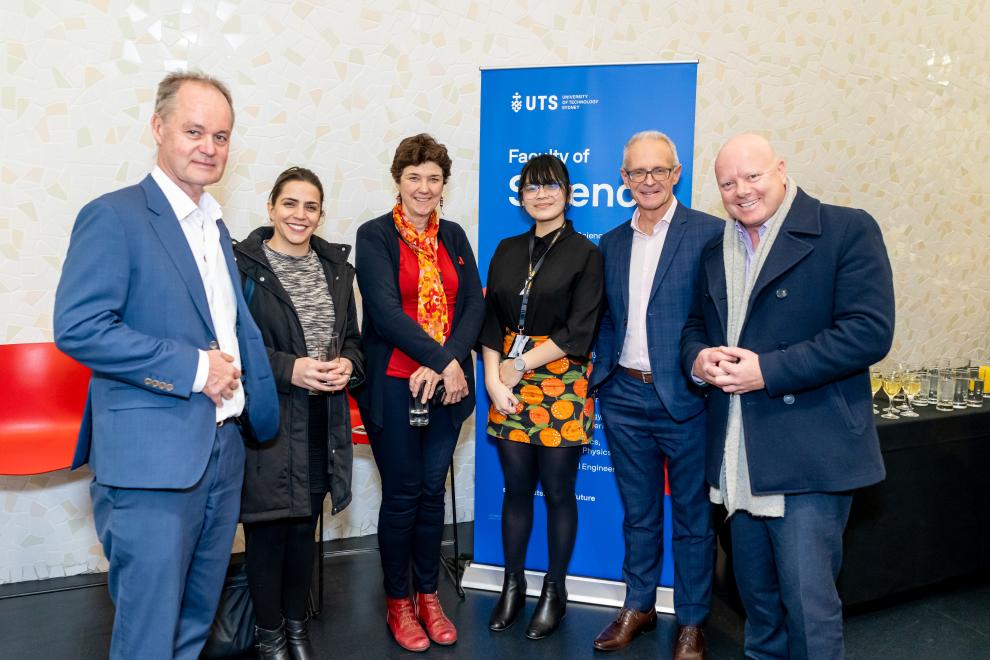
point(385, 326)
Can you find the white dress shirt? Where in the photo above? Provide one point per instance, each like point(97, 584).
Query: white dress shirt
point(646, 249)
point(199, 225)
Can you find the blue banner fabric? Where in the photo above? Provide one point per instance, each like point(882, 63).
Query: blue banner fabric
point(583, 115)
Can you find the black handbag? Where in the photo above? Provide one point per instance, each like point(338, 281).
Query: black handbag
point(232, 631)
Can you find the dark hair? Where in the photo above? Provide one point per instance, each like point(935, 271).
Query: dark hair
point(170, 84)
point(544, 169)
point(419, 149)
point(295, 174)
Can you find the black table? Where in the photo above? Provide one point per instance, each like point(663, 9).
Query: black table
point(929, 520)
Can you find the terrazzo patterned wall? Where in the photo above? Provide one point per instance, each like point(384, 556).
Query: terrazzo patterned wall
point(882, 106)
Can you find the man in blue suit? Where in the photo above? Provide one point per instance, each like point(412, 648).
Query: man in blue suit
point(150, 300)
point(795, 303)
point(652, 412)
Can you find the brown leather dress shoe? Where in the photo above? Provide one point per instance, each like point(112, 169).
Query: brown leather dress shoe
point(690, 643)
point(627, 626)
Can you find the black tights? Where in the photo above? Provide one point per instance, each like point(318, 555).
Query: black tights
point(279, 556)
point(556, 470)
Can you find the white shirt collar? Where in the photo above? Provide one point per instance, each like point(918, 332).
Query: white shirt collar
point(182, 205)
point(667, 217)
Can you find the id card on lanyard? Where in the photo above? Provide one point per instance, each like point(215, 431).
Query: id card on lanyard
point(519, 344)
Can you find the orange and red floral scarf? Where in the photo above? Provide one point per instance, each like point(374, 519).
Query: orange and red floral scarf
point(431, 311)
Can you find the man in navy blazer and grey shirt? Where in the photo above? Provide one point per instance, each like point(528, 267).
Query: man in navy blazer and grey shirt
point(150, 300)
point(651, 410)
point(796, 302)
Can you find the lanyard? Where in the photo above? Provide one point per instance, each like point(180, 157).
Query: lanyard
point(531, 275)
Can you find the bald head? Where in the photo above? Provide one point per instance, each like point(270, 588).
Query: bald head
point(751, 178)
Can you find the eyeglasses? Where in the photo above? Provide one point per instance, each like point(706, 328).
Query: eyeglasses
point(548, 188)
point(658, 174)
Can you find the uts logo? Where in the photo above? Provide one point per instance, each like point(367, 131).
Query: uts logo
point(540, 102)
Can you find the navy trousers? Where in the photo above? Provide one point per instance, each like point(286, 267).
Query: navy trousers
point(168, 552)
point(641, 435)
point(786, 570)
point(413, 464)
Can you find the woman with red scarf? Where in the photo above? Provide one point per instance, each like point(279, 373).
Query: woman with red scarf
point(423, 310)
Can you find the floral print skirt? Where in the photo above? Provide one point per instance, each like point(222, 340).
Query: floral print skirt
point(554, 408)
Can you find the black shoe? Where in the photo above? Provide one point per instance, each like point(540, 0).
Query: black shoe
point(549, 610)
point(298, 639)
point(510, 602)
point(271, 644)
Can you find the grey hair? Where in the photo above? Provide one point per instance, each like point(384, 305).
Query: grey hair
point(170, 84)
point(649, 135)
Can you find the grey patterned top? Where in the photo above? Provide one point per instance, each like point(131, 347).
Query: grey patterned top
point(305, 281)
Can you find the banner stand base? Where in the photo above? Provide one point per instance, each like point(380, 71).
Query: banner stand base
point(596, 591)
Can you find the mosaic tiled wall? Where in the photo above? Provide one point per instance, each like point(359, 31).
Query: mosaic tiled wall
point(877, 105)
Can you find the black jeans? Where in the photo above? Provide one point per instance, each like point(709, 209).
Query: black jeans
point(413, 464)
point(279, 556)
point(279, 553)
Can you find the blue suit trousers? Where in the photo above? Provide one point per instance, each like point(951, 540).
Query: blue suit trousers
point(641, 436)
point(786, 570)
point(168, 552)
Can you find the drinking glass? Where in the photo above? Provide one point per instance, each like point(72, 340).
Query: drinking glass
point(912, 385)
point(946, 387)
point(985, 375)
point(924, 381)
point(419, 412)
point(976, 392)
point(330, 347)
point(876, 382)
point(961, 391)
point(932, 385)
point(974, 388)
point(891, 387)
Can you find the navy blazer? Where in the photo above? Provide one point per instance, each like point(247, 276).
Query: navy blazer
point(670, 301)
point(385, 326)
point(821, 312)
point(131, 306)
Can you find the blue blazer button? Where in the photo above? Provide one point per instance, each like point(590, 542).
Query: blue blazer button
point(788, 399)
point(781, 293)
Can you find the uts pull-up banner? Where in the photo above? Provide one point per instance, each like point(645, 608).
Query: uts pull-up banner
point(583, 115)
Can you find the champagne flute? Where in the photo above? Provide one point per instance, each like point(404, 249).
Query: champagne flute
point(876, 382)
point(332, 347)
point(329, 347)
point(891, 387)
point(901, 368)
point(912, 386)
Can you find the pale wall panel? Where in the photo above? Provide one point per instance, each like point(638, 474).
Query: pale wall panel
point(876, 105)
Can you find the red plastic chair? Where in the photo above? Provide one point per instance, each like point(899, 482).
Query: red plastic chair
point(42, 397)
point(358, 435)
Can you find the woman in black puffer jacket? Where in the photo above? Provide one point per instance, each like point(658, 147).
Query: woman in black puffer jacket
point(299, 288)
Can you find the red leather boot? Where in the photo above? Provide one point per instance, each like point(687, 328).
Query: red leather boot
point(400, 615)
point(438, 626)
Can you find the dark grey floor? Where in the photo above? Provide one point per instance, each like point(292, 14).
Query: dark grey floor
point(950, 622)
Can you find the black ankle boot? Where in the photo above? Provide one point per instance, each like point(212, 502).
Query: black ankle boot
point(271, 644)
point(510, 602)
point(298, 638)
point(549, 610)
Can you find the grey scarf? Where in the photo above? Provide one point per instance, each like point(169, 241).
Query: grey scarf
point(735, 490)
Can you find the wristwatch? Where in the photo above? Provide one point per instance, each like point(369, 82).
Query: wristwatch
point(519, 364)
